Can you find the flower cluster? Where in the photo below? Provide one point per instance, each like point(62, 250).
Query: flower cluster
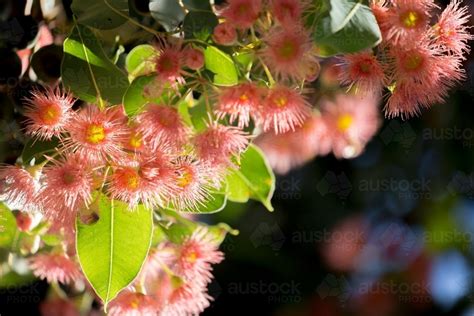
point(154, 159)
point(175, 278)
point(417, 61)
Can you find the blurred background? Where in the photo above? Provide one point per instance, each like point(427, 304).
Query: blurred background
point(388, 233)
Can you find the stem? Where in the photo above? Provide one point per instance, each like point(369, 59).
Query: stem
point(267, 72)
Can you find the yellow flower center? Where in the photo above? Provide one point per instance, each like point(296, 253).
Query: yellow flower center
point(135, 140)
point(166, 63)
point(410, 19)
point(344, 122)
point(185, 178)
point(364, 67)
point(128, 178)
point(244, 97)
point(134, 303)
point(287, 50)
point(95, 134)
point(413, 62)
point(243, 9)
point(281, 101)
point(50, 114)
point(191, 257)
point(68, 177)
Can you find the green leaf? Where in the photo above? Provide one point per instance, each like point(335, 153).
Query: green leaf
point(87, 71)
point(346, 26)
point(238, 190)
point(36, 148)
point(134, 99)
point(168, 13)
point(112, 250)
point(199, 115)
point(101, 14)
point(199, 24)
point(203, 5)
point(245, 59)
point(183, 110)
point(222, 65)
point(8, 227)
point(256, 179)
point(138, 61)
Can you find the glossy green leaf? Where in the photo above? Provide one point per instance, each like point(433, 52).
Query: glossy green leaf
point(255, 179)
point(134, 99)
point(346, 26)
point(222, 65)
point(199, 24)
point(101, 14)
point(139, 60)
point(36, 148)
point(238, 190)
point(199, 115)
point(112, 250)
point(8, 228)
point(87, 71)
point(168, 13)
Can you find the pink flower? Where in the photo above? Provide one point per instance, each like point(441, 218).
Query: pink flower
point(182, 298)
point(97, 135)
point(364, 71)
point(196, 255)
point(225, 34)
point(451, 32)
point(242, 13)
point(194, 181)
point(162, 124)
point(169, 63)
point(288, 11)
point(150, 181)
point(288, 51)
point(406, 21)
point(407, 99)
point(18, 188)
point(130, 303)
point(55, 268)
point(283, 109)
point(218, 143)
point(239, 102)
point(422, 77)
point(294, 148)
point(48, 113)
point(58, 307)
point(193, 58)
point(351, 121)
point(66, 186)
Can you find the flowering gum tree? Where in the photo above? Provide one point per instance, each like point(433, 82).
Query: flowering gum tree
point(142, 133)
